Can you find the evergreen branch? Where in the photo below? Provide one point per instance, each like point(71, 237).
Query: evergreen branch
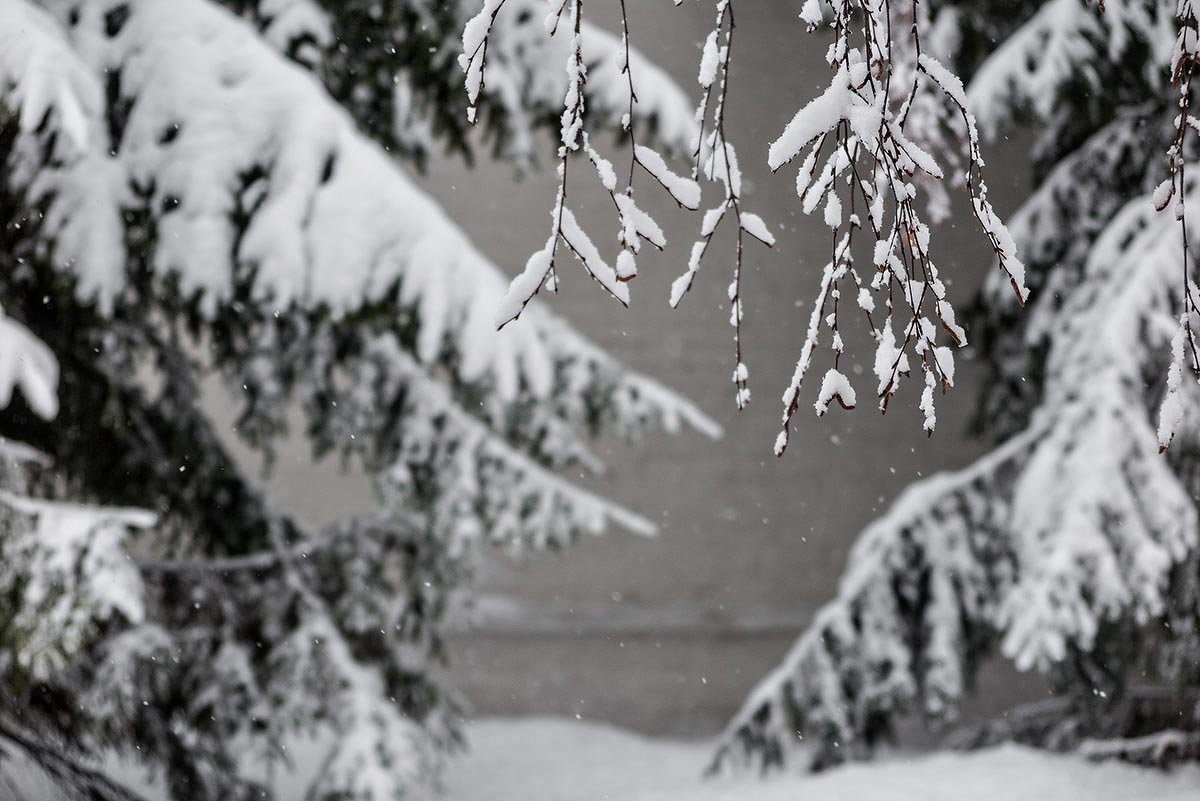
point(77, 778)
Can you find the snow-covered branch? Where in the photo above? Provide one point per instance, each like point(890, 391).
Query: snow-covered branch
point(321, 196)
point(854, 134)
point(634, 224)
point(41, 75)
point(221, 213)
point(1070, 547)
point(713, 156)
point(1177, 188)
point(915, 575)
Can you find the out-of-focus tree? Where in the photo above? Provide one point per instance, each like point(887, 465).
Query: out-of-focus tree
point(1072, 547)
point(190, 190)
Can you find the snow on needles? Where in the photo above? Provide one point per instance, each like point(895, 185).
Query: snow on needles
point(223, 122)
point(41, 72)
point(1075, 525)
point(26, 363)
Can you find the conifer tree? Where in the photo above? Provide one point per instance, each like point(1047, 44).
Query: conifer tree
point(1071, 548)
point(189, 190)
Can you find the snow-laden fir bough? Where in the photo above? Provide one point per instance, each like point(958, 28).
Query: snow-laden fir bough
point(192, 193)
point(1072, 547)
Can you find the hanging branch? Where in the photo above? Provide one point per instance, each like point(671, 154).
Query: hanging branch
point(473, 60)
point(1187, 50)
point(868, 171)
point(715, 159)
point(634, 224)
point(862, 170)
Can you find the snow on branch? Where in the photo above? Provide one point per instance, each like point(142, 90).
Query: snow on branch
point(713, 156)
point(989, 551)
point(30, 753)
point(239, 152)
point(26, 363)
point(485, 488)
point(854, 668)
point(310, 682)
point(511, 60)
point(1082, 485)
point(854, 135)
point(1177, 187)
point(1061, 219)
point(226, 198)
point(634, 224)
point(1159, 750)
point(1064, 548)
point(1058, 47)
point(375, 751)
point(68, 566)
point(41, 73)
point(1034, 66)
point(396, 84)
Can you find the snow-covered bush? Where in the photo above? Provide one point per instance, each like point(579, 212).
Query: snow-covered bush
point(188, 189)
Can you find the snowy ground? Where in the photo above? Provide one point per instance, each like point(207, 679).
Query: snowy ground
point(554, 759)
point(560, 760)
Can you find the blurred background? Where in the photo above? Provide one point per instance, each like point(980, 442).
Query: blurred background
point(667, 635)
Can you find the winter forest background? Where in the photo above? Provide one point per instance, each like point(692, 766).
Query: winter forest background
point(354, 616)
